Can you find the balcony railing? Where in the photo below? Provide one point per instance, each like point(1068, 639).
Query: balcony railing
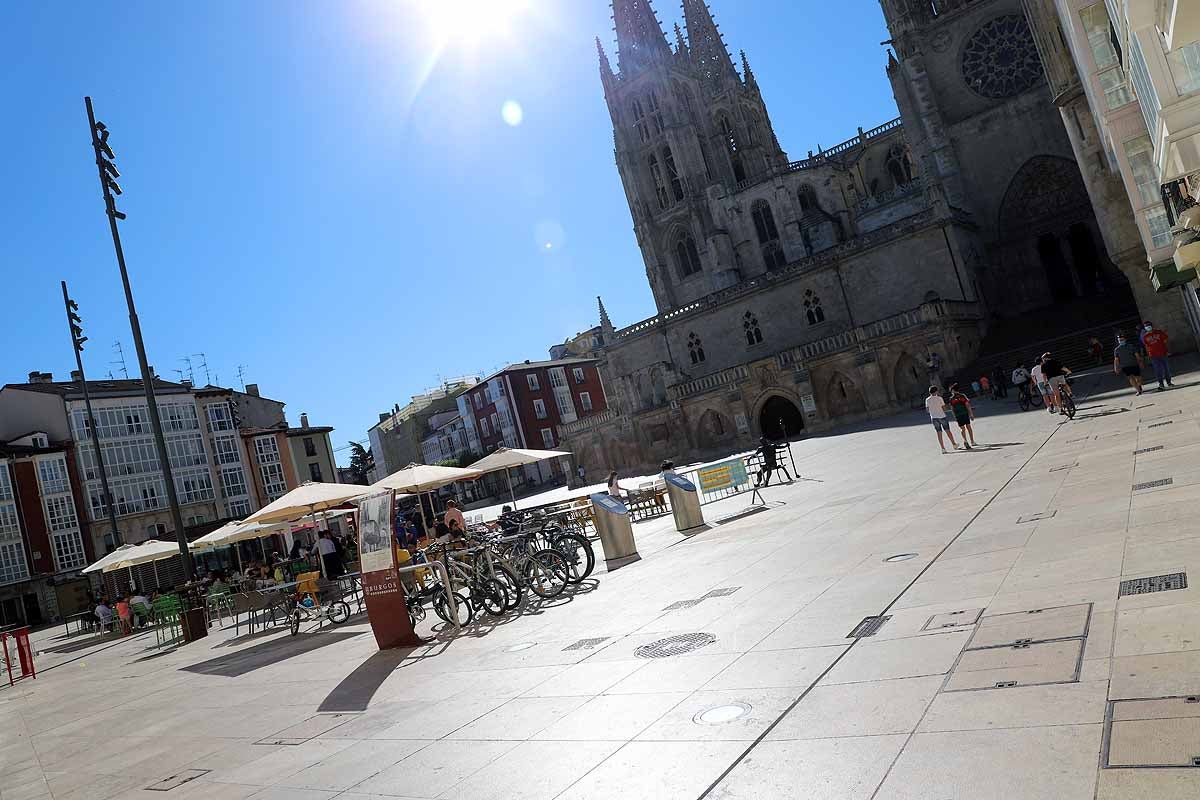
point(1180, 195)
point(821, 157)
point(587, 423)
point(707, 383)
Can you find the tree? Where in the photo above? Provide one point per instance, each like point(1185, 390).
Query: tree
point(361, 462)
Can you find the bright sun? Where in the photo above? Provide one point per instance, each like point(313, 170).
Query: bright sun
point(469, 22)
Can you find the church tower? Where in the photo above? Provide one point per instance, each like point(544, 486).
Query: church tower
point(684, 121)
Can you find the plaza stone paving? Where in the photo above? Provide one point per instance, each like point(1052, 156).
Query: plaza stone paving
point(511, 710)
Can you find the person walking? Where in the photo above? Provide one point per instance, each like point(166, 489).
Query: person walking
point(766, 449)
point(330, 560)
point(453, 517)
point(1000, 380)
point(1038, 376)
point(581, 473)
point(1097, 350)
point(1155, 343)
point(614, 487)
point(1127, 361)
point(936, 407)
point(1020, 379)
point(963, 415)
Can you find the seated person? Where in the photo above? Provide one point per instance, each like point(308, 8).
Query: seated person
point(508, 520)
point(104, 612)
point(125, 614)
point(140, 604)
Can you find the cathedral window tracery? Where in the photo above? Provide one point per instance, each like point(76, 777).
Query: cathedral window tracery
point(729, 135)
point(639, 120)
point(655, 112)
point(695, 349)
point(656, 176)
point(750, 328)
point(1000, 59)
point(673, 174)
point(768, 235)
point(687, 258)
point(812, 307)
point(898, 165)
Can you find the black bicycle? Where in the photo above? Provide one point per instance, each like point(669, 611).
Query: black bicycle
point(1029, 397)
point(1067, 400)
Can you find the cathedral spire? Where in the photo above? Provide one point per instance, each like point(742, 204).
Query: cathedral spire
point(681, 47)
point(747, 75)
point(606, 72)
point(605, 322)
point(708, 48)
point(640, 39)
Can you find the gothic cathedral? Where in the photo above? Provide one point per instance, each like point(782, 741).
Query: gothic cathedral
point(796, 294)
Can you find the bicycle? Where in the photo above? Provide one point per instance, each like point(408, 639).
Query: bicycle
point(546, 572)
point(308, 607)
point(1028, 396)
point(435, 592)
point(1067, 400)
point(484, 591)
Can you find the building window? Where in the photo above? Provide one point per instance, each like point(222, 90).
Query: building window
point(238, 508)
point(1099, 34)
point(314, 472)
point(1139, 73)
point(807, 198)
point(1140, 153)
point(6, 490)
point(478, 401)
point(219, 417)
point(731, 147)
point(532, 380)
point(898, 166)
point(660, 190)
point(233, 482)
point(751, 329)
point(68, 551)
point(483, 426)
point(687, 259)
point(60, 513)
point(196, 519)
point(656, 118)
point(773, 256)
point(10, 526)
point(578, 373)
point(673, 174)
point(310, 449)
point(228, 450)
point(812, 307)
point(639, 120)
point(1159, 226)
point(585, 401)
point(1116, 90)
point(273, 481)
point(547, 437)
point(12, 562)
point(764, 222)
point(52, 473)
point(1184, 63)
point(695, 349)
point(195, 487)
point(539, 409)
point(41, 442)
point(156, 530)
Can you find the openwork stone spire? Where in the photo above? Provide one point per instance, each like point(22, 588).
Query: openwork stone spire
point(709, 53)
point(640, 39)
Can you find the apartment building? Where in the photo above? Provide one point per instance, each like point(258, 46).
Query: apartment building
point(396, 438)
point(312, 452)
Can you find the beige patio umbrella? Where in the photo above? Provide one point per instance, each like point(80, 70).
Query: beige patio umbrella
point(419, 479)
point(506, 458)
point(112, 558)
point(306, 500)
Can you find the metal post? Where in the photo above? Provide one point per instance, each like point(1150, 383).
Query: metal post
point(164, 459)
point(95, 436)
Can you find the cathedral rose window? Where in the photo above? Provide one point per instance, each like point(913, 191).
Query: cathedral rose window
point(1000, 59)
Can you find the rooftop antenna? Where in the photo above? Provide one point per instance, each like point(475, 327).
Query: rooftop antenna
point(216, 379)
point(179, 372)
point(120, 358)
point(187, 360)
point(241, 370)
point(204, 366)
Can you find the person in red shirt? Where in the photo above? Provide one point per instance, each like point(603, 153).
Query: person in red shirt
point(1155, 342)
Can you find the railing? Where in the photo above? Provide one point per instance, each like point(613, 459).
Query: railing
point(707, 383)
point(1177, 196)
point(821, 157)
point(883, 198)
point(835, 253)
point(587, 423)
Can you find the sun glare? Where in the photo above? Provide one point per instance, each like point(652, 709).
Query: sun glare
point(470, 22)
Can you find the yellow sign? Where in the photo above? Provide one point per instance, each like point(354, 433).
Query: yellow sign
point(725, 475)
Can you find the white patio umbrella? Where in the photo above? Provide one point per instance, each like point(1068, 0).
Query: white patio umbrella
point(306, 500)
point(421, 478)
point(112, 558)
point(506, 458)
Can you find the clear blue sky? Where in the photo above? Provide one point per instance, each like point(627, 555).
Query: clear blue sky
point(316, 192)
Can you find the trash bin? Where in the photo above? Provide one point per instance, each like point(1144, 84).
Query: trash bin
point(615, 531)
point(195, 626)
point(685, 501)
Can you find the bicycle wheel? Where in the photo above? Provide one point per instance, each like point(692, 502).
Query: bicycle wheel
point(1035, 399)
point(578, 552)
point(512, 586)
point(295, 622)
point(490, 595)
point(465, 612)
point(1025, 401)
point(547, 573)
point(339, 612)
point(1069, 405)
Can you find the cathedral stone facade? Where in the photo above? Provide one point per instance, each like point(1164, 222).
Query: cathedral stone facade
point(796, 294)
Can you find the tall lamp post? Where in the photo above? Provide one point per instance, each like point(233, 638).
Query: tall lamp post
point(77, 340)
point(108, 185)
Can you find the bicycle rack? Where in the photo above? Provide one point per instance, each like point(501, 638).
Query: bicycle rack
point(440, 568)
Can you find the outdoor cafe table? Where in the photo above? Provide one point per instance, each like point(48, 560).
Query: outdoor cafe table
point(81, 618)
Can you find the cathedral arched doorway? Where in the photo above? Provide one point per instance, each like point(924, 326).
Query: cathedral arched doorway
point(780, 419)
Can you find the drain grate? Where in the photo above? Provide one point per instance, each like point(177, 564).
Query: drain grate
point(678, 604)
point(1160, 424)
point(169, 783)
point(1155, 583)
point(1156, 448)
point(675, 645)
point(868, 627)
point(1137, 487)
point(1037, 516)
point(586, 644)
point(1064, 466)
point(724, 592)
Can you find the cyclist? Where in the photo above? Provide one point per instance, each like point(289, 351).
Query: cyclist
point(1056, 375)
point(1038, 378)
point(1020, 379)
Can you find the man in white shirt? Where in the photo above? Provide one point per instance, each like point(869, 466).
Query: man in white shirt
point(1043, 386)
point(936, 407)
point(329, 555)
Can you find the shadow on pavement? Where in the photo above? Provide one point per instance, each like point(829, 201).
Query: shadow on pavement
point(355, 691)
point(266, 654)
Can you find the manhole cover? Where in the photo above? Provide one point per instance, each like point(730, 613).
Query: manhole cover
point(678, 604)
point(169, 783)
point(675, 645)
point(1153, 484)
point(1160, 424)
point(519, 646)
point(1160, 732)
point(1148, 450)
point(719, 715)
point(1155, 583)
point(1037, 516)
point(1037, 625)
point(953, 619)
point(586, 644)
point(1016, 665)
point(725, 592)
point(868, 627)
point(899, 557)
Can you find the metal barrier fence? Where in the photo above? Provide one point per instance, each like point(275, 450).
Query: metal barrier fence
point(736, 475)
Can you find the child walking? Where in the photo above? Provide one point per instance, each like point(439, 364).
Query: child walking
point(963, 414)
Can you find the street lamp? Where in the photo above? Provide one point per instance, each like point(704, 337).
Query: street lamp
point(108, 184)
point(77, 340)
